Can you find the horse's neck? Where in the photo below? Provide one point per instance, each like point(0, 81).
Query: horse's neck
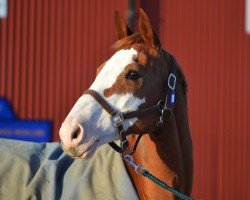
point(161, 159)
point(164, 156)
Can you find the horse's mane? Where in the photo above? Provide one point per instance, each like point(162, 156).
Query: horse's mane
point(181, 74)
point(127, 42)
point(183, 80)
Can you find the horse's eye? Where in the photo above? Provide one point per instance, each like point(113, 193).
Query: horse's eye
point(133, 75)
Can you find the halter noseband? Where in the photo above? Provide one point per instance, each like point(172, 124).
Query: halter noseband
point(117, 118)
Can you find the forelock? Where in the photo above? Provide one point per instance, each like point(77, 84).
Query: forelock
point(128, 42)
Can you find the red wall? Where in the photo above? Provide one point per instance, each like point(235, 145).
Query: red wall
point(49, 51)
point(210, 43)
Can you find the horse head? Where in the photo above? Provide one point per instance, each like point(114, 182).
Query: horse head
point(132, 79)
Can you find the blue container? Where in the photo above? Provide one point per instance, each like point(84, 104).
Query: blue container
point(6, 111)
point(34, 131)
point(27, 130)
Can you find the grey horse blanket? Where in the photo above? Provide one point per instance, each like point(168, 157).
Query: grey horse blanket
point(33, 171)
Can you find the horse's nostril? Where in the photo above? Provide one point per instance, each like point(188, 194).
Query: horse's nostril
point(76, 133)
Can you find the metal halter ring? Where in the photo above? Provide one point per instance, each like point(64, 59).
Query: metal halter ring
point(173, 81)
point(159, 105)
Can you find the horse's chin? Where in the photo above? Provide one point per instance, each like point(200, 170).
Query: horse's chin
point(87, 154)
point(82, 152)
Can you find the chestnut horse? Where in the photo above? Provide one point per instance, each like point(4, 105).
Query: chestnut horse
point(129, 86)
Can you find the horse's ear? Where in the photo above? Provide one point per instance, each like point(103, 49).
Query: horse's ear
point(122, 28)
point(147, 32)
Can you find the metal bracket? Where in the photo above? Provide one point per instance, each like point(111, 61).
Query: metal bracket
point(124, 144)
point(160, 122)
point(117, 119)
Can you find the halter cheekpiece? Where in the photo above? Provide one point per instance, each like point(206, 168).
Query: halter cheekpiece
point(165, 104)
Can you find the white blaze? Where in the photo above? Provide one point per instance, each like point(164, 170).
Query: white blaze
point(112, 69)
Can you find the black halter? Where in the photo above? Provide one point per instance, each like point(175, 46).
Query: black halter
point(165, 104)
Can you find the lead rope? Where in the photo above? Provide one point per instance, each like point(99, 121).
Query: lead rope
point(147, 174)
point(139, 169)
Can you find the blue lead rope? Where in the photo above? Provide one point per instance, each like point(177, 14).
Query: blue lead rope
point(147, 174)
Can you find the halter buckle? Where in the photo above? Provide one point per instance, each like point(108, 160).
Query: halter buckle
point(117, 119)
